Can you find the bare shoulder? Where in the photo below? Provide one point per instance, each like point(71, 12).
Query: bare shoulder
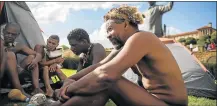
point(98, 45)
point(143, 38)
point(98, 48)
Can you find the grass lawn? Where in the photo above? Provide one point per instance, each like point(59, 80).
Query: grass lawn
point(192, 101)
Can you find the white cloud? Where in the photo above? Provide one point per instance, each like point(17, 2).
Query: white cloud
point(172, 30)
point(48, 12)
point(99, 36)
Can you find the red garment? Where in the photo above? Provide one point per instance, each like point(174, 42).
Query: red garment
point(213, 46)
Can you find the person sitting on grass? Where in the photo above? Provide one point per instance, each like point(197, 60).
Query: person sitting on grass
point(89, 53)
point(51, 61)
point(140, 50)
point(3, 56)
point(30, 63)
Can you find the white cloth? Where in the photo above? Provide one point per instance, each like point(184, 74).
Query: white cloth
point(191, 46)
point(53, 54)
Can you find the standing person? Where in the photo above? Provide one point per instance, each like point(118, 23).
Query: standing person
point(153, 17)
point(163, 84)
point(205, 46)
point(213, 46)
point(191, 47)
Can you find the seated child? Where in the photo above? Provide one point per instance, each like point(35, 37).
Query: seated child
point(51, 62)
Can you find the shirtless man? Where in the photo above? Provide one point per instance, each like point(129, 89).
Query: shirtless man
point(89, 53)
point(153, 61)
point(30, 63)
point(51, 62)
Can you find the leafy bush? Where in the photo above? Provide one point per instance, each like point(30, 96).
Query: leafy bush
point(65, 47)
point(182, 40)
point(190, 40)
point(202, 40)
point(213, 37)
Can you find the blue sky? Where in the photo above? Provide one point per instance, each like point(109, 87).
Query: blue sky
point(61, 17)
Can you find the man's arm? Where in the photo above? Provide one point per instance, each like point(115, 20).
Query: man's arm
point(27, 51)
point(103, 77)
point(87, 70)
point(49, 62)
point(3, 57)
point(166, 8)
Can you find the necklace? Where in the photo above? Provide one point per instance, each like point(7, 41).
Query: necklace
point(85, 60)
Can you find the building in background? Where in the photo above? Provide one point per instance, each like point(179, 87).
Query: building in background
point(205, 30)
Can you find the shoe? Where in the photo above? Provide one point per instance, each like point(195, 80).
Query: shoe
point(38, 99)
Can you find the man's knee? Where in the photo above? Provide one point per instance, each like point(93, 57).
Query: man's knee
point(11, 56)
point(26, 61)
point(30, 57)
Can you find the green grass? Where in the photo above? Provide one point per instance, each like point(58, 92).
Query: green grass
point(192, 101)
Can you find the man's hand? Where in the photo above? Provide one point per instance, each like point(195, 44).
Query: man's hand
point(59, 60)
point(61, 92)
point(53, 67)
point(63, 97)
point(32, 64)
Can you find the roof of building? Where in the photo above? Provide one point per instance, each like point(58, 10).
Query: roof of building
point(204, 27)
point(183, 34)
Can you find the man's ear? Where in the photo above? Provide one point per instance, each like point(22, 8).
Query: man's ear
point(84, 41)
point(126, 24)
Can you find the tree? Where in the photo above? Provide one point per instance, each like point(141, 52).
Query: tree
point(202, 40)
point(213, 37)
point(190, 40)
point(65, 47)
point(182, 40)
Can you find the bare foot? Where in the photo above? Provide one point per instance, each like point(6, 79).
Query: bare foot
point(37, 90)
point(49, 92)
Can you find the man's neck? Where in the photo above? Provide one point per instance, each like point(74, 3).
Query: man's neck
point(87, 46)
point(130, 33)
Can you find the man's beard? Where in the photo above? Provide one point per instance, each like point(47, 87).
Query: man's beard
point(116, 42)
